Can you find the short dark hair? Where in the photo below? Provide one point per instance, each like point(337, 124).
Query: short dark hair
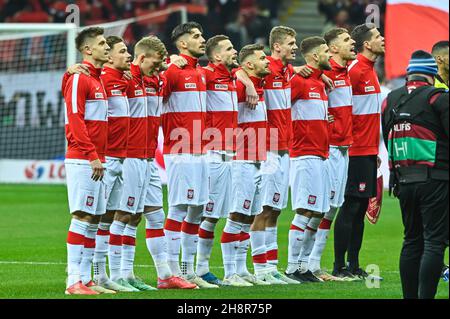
point(310, 44)
point(439, 46)
point(249, 50)
point(85, 34)
point(183, 29)
point(361, 34)
point(333, 34)
point(112, 40)
point(212, 44)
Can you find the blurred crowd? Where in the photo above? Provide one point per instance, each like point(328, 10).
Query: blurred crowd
point(349, 13)
point(244, 21)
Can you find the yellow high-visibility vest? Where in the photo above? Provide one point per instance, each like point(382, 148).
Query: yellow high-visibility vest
point(439, 83)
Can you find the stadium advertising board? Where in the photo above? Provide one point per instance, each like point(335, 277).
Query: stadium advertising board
point(32, 99)
point(32, 172)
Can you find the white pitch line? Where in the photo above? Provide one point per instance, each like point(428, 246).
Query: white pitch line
point(46, 263)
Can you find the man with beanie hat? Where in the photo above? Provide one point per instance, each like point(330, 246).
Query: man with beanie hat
point(415, 120)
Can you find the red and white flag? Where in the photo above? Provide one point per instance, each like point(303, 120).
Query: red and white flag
point(412, 25)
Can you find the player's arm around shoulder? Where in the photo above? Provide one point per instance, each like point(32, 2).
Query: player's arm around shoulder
point(252, 97)
point(170, 77)
point(356, 78)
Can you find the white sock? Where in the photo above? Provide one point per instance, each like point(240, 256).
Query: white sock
point(258, 242)
point(229, 243)
point(189, 242)
point(115, 249)
point(308, 243)
point(128, 252)
point(296, 234)
point(88, 253)
point(75, 243)
point(205, 245)
point(172, 231)
point(101, 250)
point(241, 254)
point(156, 242)
point(272, 246)
point(321, 240)
point(189, 239)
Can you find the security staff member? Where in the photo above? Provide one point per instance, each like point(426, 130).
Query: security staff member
point(415, 122)
point(440, 53)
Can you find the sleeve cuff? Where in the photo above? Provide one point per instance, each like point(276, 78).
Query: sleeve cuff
point(93, 156)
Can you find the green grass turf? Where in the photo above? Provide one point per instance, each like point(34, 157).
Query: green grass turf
point(33, 226)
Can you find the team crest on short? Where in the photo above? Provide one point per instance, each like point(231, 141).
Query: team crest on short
point(333, 193)
point(190, 194)
point(276, 197)
point(247, 204)
point(131, 201)
point(90, 201)
point(362, 187)
point(312, 200)
point(209, 207)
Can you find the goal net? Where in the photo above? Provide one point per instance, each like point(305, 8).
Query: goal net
point(33, 59)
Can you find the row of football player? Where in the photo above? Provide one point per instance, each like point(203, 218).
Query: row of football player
point(112, 122)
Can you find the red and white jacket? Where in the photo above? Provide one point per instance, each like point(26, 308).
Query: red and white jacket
point(137, 137)
point(184, 109)
point(154, 92)
point(118, 112)
point(86, 116)
point(221, 106)
point(367, 102)
point(309, 116)
point(340, 105)
point(277, 94)
point(251, 137)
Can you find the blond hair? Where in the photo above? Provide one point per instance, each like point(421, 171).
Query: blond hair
point(279, 34)
point(150, 44)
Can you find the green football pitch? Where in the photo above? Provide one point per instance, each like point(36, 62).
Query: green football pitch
point(33, 227)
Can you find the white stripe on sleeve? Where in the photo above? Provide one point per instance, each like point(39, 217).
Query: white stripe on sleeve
point(75, 93)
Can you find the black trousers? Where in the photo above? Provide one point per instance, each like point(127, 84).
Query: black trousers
point(349, 225)
point(425, 218)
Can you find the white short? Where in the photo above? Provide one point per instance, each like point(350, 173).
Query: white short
point(84, 194)
point(134, 185)
point(338, 171)
point(220, 188)
point(275, 181)
point(246, 189)
point(187, 179)
point(154, 197)
point(113, 181)
point(310, 184)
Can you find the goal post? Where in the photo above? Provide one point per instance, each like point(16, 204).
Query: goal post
point(33, 59)
point(42, 29)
